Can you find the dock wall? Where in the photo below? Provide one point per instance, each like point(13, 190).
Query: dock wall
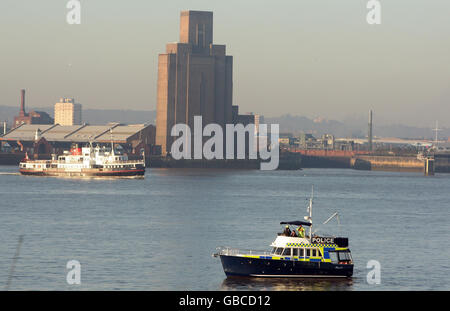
point(389, 163)
point(11, 158)
point(442, 163)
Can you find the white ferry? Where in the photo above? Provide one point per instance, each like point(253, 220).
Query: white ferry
point(85, 162)
point(294, 254)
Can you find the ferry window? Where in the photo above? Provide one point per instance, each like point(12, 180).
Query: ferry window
point(314, 253)
point(279, 251)
point(308, 253)
point(287, 252)
point(295, 252)
point(302, 252)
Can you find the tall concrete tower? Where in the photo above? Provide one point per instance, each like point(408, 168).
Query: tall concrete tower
point(369, 134)
point(194, 79)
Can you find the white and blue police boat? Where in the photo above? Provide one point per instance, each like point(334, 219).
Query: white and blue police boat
point(292, 256)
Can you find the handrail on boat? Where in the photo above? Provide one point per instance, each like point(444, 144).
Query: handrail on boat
point(228, 251)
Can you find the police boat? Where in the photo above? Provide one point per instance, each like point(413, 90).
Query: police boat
point(294, 254)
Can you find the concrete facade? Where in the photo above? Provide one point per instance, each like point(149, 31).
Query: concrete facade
point(67, 112)
point(194, 79)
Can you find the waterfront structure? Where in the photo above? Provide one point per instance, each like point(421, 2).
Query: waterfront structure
point(55, 138)
point(248, 118)
point(194, 79)
point(32, 117)
point(67, 112)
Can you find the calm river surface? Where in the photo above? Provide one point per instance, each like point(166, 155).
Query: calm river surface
point(158, 233)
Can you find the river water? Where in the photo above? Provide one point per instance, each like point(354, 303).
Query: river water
point(158, 233)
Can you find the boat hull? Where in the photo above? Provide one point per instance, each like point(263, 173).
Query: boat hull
point(259, 267)
point(137, 172)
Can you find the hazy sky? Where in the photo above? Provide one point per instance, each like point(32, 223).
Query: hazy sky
point(306, 57)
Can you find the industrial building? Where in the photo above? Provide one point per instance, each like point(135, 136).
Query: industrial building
point(247, 118)
point(32, 117)
point(194, 79)
point(43, 140)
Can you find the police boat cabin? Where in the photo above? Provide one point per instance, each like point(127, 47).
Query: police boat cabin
point(293, 254)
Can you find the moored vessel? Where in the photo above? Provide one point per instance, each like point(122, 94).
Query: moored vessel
point(87, 161)
point(294, 254)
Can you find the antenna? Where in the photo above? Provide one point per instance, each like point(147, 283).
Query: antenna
point(336, 214)
point(309, 209)
point(436, 130)
point(112, 143)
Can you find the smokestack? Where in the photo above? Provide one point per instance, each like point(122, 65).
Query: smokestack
point(22, 103)
point(369, 134)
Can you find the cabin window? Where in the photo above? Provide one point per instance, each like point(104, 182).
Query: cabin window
point(279, 250)
point(319, 254)
point(308, 252)
point(344, 256)
point(333, 257)
point(301, 252)
point(274, 250)
point(295, 252)
point(287, 252)
point(314, 252)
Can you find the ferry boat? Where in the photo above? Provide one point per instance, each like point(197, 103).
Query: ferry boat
point(292, 256)
point(85, 162)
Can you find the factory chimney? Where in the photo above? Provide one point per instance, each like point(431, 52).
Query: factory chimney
point(369, 134)
point(22, 103)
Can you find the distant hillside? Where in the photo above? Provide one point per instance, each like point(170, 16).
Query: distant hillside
point(356, 128)
point(92, 116)
point(298, 124)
